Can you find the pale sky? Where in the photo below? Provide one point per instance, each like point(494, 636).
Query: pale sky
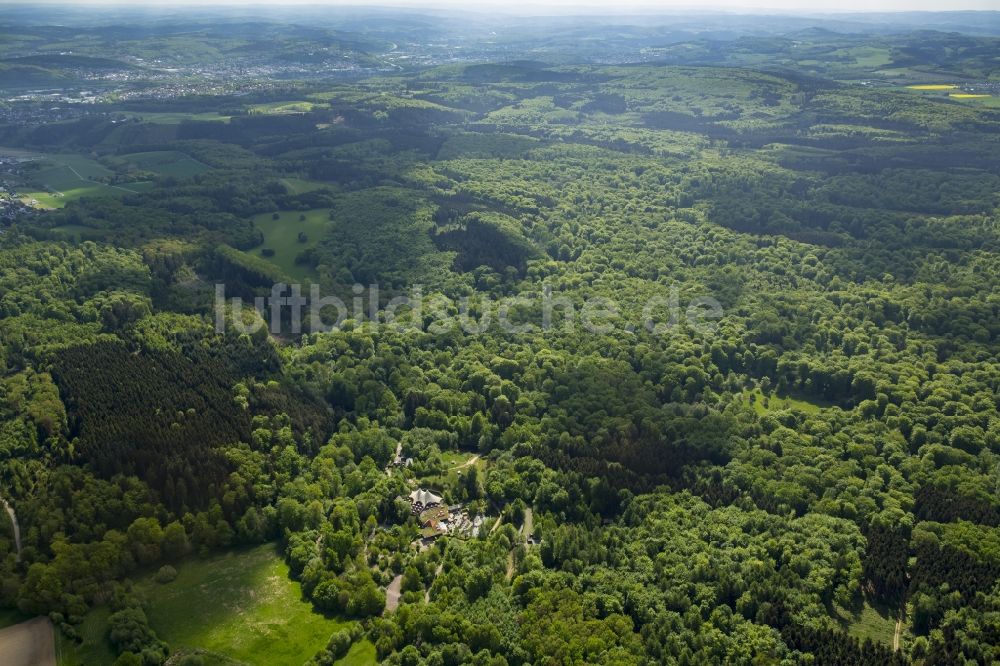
point(579, 6)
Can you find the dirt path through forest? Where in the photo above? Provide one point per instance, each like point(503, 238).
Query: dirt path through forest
point(392, 593)
point(15, 525)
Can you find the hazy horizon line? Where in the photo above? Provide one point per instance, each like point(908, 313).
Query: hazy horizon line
point(565, 8)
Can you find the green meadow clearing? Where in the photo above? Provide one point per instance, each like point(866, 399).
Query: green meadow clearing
point(301, 185)
point(362, 653)
point(773, 403)
point(176, 118)
point(78, 166)
point(65, 178)
point(871, 622)
point(281, 108)
point(42, 199)
point(866, 56)
point(165, 163)
point(238, 607)
point(282, 236)
point(242, 605)
point(95, 647)
point(455, 465)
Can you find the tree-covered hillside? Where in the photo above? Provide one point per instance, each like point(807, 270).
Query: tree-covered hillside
point(809, 477)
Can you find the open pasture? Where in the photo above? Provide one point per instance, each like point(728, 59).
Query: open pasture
point(241, 605)
point(62, 178)
point(171, 163)
point(282, 237)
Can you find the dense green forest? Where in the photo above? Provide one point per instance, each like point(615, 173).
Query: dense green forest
point(813, 478)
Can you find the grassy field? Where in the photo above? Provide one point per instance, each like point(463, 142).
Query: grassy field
point(166, 163)
point(361, 653)
point(866, 56)
point(993, 102)
point(241, 605)
point(23, 153)
point(70, 173)
point(175, 118)
point(84, 167)
point(875, 623)
point(301, 185)
point(95, 648)
point(456, 464)
point(765, 404)
point(42, 200)
point(282, 236)
point(64, 178)
point(238, 607)
point(456, 458)
point(281, 108)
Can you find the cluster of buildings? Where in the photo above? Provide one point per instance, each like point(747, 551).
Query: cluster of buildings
point(12, 205)
point(176, 87)
point(235, 79)
point(981, 87)
point(437, 519)
point(27, 112)
point(11, 208)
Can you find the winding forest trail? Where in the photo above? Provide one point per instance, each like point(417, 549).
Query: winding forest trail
point(15, 525)
point(899, 630)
